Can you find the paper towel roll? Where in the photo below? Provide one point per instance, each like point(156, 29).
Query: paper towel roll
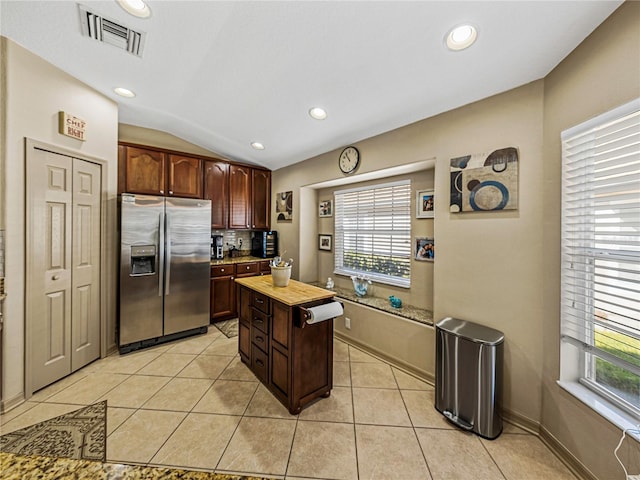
point(324, 312)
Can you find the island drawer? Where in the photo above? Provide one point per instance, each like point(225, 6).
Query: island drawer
point(260, 302)
point(223, 270)
point(260, 339)
point(260, 321)
point(259, 363)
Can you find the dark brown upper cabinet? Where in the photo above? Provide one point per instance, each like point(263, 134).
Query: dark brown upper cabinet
point(185, 177)
point(260, 199)
point(216, 189)
point(152, 172)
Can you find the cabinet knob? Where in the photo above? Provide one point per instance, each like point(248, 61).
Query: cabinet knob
point(55, 277)
point(162, 192)
point(222, 269)
point(170, 192)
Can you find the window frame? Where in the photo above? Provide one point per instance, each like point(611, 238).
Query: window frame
point(339, 267)
point(578, 355)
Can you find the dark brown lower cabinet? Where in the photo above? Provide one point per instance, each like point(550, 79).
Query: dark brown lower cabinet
point(292, 359)
point(222, 292)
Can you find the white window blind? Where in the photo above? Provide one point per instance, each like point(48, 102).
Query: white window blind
point(600, 296)
point(373, 232)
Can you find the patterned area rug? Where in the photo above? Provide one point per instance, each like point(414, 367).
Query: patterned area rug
point(81, 435)
point(228, 327)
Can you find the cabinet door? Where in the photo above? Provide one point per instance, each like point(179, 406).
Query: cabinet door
point(260, 199)
point(185, 177)
point(280, 323)
point(222, 297)
point(216, 189)
point(244, 342)
point(239, 196)
point(279, 371)
point(244, 305)
point(144, 171)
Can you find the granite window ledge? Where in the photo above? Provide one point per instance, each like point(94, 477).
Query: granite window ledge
point(420, 315)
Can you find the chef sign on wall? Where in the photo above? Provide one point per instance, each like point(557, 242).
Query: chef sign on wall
point(482, 182)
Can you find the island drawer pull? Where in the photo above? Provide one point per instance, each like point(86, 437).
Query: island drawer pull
point(259, 339)
point(259, 362)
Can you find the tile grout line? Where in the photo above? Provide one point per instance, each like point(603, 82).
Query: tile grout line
point(413, 427)
point(237, 425)
point(186, 413)
point(293, 440)
point(353, 411)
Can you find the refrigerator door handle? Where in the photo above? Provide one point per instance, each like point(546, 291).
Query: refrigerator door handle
point(161, 250)
point(168, 254)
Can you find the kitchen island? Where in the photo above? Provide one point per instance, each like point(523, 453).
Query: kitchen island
point(292, 358)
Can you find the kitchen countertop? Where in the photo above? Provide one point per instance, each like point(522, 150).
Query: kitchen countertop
point(234, 260)
point(420, 315)
point(19, 467)
point(296, 293)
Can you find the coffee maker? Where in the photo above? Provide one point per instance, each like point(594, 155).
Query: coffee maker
point(216, 247)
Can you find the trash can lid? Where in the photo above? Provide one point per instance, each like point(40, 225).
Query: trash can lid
point(471, 331)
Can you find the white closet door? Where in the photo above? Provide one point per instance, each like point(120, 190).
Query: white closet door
point(49, 177)
point(63, 259)
point(85, 260)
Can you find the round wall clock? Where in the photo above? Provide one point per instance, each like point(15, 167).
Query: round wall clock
point(349, 160)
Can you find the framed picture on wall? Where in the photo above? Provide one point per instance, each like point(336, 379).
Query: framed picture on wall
point(284, 206)
point(324, 242)
point(424, 204)
point(425, 249)
point(325, 208)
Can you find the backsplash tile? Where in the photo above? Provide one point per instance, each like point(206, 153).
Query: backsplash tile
point(241, 239)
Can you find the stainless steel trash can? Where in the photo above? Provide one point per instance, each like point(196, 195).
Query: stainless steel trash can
point(469, 360)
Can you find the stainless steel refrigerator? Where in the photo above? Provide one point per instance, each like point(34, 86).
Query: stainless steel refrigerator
point(164, 269)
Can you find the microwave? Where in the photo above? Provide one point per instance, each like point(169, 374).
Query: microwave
point(264, 244)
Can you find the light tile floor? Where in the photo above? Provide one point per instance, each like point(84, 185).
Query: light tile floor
point(193, 404)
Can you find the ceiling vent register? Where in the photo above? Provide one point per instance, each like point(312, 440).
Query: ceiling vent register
point(108, 31)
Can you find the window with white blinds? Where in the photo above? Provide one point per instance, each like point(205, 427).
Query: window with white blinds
point(373, 232)
point(600, 304)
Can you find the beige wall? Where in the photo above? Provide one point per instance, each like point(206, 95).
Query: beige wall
point(421, 292)
point(601, 74)
point(156, 138)
point(488, 264)
point(502, 269)
point(35, 92)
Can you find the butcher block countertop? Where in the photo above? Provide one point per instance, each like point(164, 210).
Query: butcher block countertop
point(296, 293)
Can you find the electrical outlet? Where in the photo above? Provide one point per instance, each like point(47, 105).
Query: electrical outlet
point(347, 323)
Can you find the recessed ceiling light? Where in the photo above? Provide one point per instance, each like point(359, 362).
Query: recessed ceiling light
point(318, 113)
point(257, 145)
point(124, 92)
point(461, 37)
point(137, 8)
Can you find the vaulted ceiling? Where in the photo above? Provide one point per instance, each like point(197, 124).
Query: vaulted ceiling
point(224, 74)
